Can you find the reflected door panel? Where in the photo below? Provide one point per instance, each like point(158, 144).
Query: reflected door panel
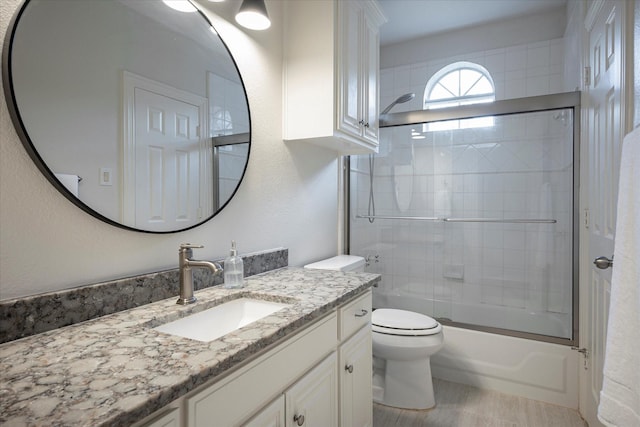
point(167, 150)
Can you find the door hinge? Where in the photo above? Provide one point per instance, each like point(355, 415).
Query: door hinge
point(586, 218)
point(585, 354)
point(587, 76)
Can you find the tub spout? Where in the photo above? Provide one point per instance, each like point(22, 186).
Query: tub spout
point(186, 273)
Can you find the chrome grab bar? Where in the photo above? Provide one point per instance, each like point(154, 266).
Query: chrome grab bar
point(436, 219)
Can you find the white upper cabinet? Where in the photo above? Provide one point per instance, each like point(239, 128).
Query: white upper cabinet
point(331, 51)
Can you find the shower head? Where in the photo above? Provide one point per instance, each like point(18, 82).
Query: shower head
point(401, 100)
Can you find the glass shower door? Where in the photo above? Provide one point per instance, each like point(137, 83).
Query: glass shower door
point(472, 222)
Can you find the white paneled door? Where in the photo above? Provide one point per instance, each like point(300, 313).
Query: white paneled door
point(604, 124)
point(167, 177)
point(167, 162)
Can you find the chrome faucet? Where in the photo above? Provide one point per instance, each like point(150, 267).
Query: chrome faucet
point(186, 275)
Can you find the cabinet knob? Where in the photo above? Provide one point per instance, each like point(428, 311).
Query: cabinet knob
point(299, 419)
point(366, 125)
point(363, 313)
point(349, 368)
point(361, 122)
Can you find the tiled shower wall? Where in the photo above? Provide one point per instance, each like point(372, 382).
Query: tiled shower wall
point(519, 168)
point(517, 71)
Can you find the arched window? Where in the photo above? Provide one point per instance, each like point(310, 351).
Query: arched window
point(460, 83)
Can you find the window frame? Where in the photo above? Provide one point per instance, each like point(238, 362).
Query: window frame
point(458, 66)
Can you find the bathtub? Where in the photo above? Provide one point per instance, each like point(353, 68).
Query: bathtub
point(517, 366)
point(493, 316)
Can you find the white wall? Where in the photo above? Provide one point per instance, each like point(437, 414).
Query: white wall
point(636, 64)
point(499, 34)
point(287, 199)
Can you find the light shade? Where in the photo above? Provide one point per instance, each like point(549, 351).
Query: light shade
point(253, 15)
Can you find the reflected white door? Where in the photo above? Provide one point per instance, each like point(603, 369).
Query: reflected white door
point(604, 103)
point(167, 151)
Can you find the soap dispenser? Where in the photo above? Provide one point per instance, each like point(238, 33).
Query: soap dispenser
point(233, 269)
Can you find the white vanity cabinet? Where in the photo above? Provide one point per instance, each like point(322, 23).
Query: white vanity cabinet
point(355, 363)
point(170, 418)
point(331, 74)
point(302, 381)
point(311, 401)
point(271, 416)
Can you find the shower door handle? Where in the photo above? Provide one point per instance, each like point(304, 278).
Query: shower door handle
point(603, 262)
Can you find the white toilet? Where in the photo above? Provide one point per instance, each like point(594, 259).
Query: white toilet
point(403, 343)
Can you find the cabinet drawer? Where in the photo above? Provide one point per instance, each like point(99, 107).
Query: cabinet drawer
point(354, 316)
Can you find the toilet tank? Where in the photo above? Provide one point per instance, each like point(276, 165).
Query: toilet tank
point(340, 263)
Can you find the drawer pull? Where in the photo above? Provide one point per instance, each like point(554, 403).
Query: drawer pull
point(349, 368)
point(299, 419)
point(363, 313)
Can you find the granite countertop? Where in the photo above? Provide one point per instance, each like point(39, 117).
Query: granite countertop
point(115, 370)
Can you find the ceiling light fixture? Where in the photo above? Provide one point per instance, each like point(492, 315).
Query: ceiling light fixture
point(253, 15)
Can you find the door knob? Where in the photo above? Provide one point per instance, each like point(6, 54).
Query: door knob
point(603, 262)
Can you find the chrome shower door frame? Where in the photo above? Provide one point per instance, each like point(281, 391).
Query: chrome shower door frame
point(567, 100)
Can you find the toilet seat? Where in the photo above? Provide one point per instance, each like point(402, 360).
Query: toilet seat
point(403, 323)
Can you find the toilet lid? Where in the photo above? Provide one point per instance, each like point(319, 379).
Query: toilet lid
point(401, 322)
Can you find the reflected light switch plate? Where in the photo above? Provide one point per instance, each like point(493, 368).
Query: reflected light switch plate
point(105, 176)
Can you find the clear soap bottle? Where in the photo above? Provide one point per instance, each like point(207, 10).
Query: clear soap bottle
point(233, 269)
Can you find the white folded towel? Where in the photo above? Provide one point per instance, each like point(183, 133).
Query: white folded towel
point(69, 181)
point(620, 396)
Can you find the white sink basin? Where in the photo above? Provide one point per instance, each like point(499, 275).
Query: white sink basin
point(215, 322)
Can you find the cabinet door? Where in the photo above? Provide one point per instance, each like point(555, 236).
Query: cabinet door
point(356, 407)
point(237, 396)
point(349, 114)
point(313, 400)
point(271, 416)
point(169, 419)
point(370, 73)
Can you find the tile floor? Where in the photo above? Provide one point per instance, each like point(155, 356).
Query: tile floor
point(459, 405)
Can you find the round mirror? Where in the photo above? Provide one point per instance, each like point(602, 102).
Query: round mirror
point(134, 110)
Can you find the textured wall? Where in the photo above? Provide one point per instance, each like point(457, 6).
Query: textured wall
point(287, 199)
point(636, 64)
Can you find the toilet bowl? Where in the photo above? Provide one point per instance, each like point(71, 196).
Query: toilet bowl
point(403, 343)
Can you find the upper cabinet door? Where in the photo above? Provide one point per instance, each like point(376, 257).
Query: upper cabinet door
point(331, 74)
point(350, 118)
point(370, 76)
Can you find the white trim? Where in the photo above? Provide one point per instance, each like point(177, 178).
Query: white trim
point(592, 13)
